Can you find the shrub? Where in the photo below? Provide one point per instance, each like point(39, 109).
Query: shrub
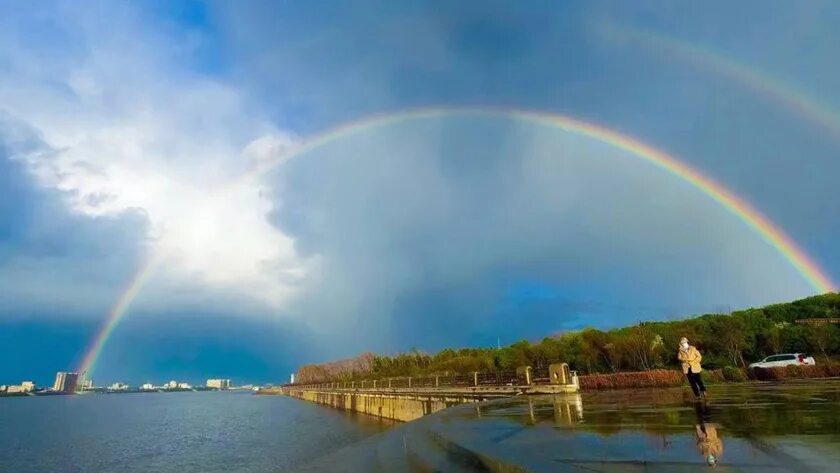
point(730, 373)
point(712, 376)
point(640, 379)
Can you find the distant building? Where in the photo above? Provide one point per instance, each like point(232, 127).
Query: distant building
point(184, 386)
point(221, 384)
point(148, 387)
point(65, 382)
point(292, 380)
point(171, 385)
point(87, 384)
point(24, 387)
point(118, 387)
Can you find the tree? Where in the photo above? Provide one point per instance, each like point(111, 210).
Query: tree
point(823, 339)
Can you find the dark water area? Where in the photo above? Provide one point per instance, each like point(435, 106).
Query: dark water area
point(790, 427)
point(168, 432)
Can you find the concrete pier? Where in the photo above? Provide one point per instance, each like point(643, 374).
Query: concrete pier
point(406, 404)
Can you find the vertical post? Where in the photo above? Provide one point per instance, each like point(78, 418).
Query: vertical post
point(475, 378)
point(352, 384)
point(528, 375)
point(409, 381)
point(437, 382)
point(374, 384)
point(389, 382)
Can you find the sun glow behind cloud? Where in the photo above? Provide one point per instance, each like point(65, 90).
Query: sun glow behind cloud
point(124, 128)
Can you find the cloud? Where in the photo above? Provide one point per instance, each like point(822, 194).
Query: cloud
point(52, 261)
point(426, 226)
point(132, 136)
point(125, 128)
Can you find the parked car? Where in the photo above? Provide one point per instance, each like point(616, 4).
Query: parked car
point(785, 359)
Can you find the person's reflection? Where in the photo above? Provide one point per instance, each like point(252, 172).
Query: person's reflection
point(708, 442)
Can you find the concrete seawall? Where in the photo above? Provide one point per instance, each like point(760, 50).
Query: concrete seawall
point(407, 404)
point(389, 406)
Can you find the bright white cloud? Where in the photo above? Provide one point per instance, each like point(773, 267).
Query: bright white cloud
point(127, 128)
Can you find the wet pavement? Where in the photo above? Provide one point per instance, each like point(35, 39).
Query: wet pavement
point(789, 427)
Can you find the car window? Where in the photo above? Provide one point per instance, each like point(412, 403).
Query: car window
point(780, 358)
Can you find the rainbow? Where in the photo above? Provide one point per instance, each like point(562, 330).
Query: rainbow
point(138, 281)
point(752, 78)
point(736, 206)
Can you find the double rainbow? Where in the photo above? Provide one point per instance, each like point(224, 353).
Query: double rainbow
point(738, 207)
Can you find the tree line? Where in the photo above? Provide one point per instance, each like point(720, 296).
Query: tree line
point(733, 340)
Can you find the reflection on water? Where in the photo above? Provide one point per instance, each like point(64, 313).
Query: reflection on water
point(709, 442)
point(761, 428)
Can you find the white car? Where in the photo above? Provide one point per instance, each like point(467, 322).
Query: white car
point(785, 359)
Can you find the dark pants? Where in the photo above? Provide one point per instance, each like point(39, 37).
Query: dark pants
point(696, 382)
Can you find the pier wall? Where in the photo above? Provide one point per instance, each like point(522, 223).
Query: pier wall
point(400, 407)
point(407, 404)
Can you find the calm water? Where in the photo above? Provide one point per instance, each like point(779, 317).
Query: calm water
point(780, 428)
point(791, 427)
point(201, 431)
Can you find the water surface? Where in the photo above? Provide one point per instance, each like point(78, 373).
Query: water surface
point(168, 432)
point(791, 427)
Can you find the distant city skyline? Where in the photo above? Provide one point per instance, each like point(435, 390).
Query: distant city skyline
point(70, 382)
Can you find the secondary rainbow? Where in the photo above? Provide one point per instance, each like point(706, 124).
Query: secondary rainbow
point(762, 226)
point(749, 76)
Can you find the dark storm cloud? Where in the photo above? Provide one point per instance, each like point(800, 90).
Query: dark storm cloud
point(428, 226)
point(323, 64)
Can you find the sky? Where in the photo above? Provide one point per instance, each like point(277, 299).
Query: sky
point(178, 136)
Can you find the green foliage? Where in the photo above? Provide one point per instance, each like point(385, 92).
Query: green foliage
point(730, 373)
point(727, 342)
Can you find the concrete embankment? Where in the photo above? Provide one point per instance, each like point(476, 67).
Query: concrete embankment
point(389, 406)
point(406, 404)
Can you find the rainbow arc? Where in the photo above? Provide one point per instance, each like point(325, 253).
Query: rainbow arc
point(727, 199)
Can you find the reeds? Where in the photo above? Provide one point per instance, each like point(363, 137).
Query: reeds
point(673, 378)
point(636, 379)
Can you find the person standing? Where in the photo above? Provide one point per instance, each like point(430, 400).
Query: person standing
point(690, 358)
